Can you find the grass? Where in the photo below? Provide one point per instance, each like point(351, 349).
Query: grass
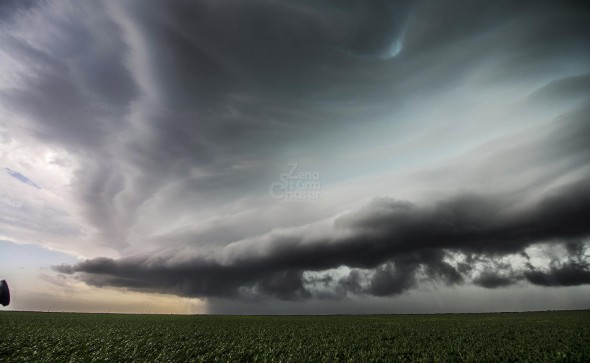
point(69, 337)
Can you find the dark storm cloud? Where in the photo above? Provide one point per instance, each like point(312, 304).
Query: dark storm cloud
point(11, 7)
point(492, 280)
point(195, 102)
point(240, 78)
point(401, 241)
point(230, 87)
point(221, 86)
point(257, 68)
point(77, 87)
point(230, 65)
point(574, 271)
point(567, 274)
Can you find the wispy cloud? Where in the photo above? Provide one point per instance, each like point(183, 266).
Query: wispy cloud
point(21, 178)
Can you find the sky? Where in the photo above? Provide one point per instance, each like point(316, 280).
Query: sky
point(295, 156)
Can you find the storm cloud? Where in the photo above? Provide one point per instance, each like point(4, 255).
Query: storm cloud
point(401, 241)
point(450, 140)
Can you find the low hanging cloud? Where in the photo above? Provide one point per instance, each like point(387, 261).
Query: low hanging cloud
point(391, 246)
point(574, 271)
point(464, 123)
point(402, 242)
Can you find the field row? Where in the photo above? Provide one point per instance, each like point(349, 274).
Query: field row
point(49, 337)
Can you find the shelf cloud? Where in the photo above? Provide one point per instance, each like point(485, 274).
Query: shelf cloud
point(299, 150)
point(397, 239)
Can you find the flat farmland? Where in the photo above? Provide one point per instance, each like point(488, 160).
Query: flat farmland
point(70, 337)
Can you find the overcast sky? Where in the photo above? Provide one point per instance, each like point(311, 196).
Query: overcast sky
point(295, 156)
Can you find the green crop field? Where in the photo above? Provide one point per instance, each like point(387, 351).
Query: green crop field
point(67, 337)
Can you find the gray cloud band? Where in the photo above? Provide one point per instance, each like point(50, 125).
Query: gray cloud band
point(197, 102)
point(398, 239)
